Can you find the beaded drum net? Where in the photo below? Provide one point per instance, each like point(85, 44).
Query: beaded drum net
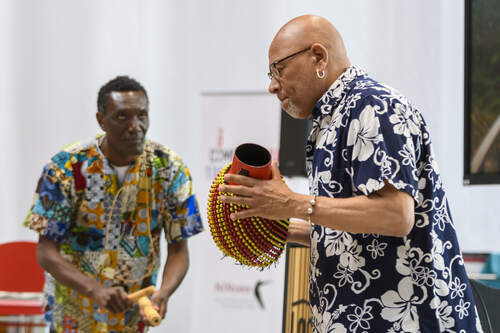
point(252, 241)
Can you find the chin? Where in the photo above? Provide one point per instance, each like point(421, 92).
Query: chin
point(296, 112)
point(138, 151)
point(134, 152)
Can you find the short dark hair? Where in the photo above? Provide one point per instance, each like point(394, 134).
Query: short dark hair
point(120, 83)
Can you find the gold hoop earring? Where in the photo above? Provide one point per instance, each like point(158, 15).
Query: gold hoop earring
point(320, 75)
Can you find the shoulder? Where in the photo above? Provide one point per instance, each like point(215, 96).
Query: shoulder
point(80, 146)
point(170, 168)
point(164, 158)
point(75, 152)
point(161, 151)
point(380, 99)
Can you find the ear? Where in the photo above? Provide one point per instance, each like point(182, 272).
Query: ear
point(100, 119)
point(320, 54)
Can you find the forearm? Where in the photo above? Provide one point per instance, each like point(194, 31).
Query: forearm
point(63, 271)
point(299, 232)
point(387, 211)
point(175, 268)
point(362, 214)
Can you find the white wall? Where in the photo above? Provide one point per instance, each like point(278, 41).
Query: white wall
point(55, 54)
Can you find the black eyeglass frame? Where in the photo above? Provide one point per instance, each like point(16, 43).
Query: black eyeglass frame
point(273, 65)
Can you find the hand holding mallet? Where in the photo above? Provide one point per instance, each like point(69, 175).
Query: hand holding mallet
point(141, 297)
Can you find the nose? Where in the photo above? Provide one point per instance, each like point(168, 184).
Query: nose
point(133, 125)
point(274, 86)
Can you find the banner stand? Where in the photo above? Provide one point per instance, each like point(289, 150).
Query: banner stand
point(297, 316)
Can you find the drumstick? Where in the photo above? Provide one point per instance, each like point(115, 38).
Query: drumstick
point(141, 297)
point(134, 297)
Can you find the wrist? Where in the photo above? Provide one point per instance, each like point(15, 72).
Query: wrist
point(164, 291)
point(92, 290)
point(310, 209)
point(301, 206)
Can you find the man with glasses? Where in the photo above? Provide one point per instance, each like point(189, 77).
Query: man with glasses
point(384, 253)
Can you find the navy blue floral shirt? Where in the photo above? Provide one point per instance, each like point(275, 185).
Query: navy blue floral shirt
point(366, 134)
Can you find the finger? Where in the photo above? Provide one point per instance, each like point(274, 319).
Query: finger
point(235, 200)
point(156, 307)
point(143, 315)
point(243, 214)
point(124, 299)
point(117, 300)
point(276, 174)
point(236, 189)
point(239, 179)
point(118, 305)
point(158, 304)
point(161, 310)
point(164, 310)
point(113, 306)
point(123, 305)
point(110, 302)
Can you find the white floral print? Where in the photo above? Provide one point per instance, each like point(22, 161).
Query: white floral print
point(443, 312)
point(401, 306)
point(363, 133)
point(360, 318)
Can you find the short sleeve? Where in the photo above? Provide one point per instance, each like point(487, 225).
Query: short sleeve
point(181, 213)
point(51, 214)
point(381, 143)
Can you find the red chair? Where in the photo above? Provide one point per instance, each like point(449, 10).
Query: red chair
point(20, 274)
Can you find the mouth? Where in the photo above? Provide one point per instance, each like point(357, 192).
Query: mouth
point(284, 101)
point(134, 140)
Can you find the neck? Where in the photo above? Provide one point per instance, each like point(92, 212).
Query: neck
point(333, 74)
point(113, 157)
point(336, 71)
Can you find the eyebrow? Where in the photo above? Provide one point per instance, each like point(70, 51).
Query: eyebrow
point(122, 109)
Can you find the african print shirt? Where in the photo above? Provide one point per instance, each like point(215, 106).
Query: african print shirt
point(108, 231)
point(365, 134)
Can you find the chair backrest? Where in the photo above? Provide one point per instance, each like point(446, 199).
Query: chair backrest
point(488, 306)
point(20, 271)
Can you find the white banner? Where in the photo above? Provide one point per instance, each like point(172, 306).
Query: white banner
point(231, 297)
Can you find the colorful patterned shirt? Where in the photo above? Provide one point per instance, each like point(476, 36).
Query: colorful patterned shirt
point(108, 231)
point(365, 135)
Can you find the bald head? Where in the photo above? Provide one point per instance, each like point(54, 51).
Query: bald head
point(306, 56)
point(305, 30)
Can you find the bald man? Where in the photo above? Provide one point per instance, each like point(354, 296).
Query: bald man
point(384, 253)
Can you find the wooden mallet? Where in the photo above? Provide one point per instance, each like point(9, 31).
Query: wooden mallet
point(141, 297)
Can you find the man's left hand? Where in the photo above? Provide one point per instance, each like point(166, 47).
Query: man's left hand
point(159, 301)
point(270, 199)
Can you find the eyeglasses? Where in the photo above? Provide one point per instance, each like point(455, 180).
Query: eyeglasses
point(274, 72)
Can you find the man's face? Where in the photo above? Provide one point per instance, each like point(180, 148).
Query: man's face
point(125, 122)
point(294, 86)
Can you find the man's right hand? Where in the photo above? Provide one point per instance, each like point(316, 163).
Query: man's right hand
point(113, 299)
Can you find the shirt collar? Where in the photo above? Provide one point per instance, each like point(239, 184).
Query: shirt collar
point(337, 91)
point(107, 167)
